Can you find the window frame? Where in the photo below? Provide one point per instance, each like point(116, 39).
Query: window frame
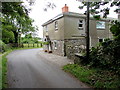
point(101, 39)
point(82, 23)
point(56, 25)
point(99, 27)
point(46, 28)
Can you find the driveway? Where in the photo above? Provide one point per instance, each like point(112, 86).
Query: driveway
point(33, 68)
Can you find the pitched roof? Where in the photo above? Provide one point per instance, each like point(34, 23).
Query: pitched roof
point(53, 19)
point(72, 14)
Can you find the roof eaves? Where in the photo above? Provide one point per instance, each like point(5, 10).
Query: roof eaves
point(72, 14)
point(53, 19)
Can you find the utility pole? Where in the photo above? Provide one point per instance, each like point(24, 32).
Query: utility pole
point(87, 32)
point(119, 13)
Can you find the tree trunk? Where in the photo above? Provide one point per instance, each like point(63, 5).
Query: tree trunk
point(16, 38)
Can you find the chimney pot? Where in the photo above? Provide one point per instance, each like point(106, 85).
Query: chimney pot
point(65, 8)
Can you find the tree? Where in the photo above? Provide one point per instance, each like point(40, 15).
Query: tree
point(48, 5)
point(30, 39)
point(115, 29)
point(15, 15)
point(7, 34)
point(98, 8)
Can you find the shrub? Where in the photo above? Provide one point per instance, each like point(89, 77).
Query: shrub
point(3, 47)
point(106, 56)
point(46, 43)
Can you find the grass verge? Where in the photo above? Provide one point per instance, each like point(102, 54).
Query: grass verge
point(0, 72)
point(94, 77)
point(3, 72)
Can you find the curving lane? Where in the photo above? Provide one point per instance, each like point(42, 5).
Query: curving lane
point(30, 69)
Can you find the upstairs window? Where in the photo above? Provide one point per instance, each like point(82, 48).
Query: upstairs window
point(56, 25)
point(80, 24)
point(46, 28)
point(100, 25)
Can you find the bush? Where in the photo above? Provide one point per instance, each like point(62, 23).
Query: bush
point(95, 77)
point(106, 56)
point(7, 36)
point(3, 47)
point(46, 43)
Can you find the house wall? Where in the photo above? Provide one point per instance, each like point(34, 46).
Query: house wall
point(60, 47)
point(73, 46)
point(56, 36)
point(71, 27)
point(104, 33)
point(93, 33)
point(76, 44)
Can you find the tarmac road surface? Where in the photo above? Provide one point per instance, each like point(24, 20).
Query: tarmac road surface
point(31, 69)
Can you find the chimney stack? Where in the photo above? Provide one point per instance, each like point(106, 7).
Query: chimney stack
point(65, 8)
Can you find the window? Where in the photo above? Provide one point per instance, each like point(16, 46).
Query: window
point(45, 39)
point(101, 40)
point(55, 44)
point(46, 29)
point(80, 24)
point(100, 25)
point(56, 25)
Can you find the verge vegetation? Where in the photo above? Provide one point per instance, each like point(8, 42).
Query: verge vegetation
point(94, 77)
point(102, 69)
point(3, 73)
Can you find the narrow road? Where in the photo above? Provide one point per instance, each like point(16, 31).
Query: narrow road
point(30, 69)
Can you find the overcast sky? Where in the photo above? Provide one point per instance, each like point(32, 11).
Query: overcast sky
point(40, 16)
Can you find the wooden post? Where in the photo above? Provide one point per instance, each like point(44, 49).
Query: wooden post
point(22, 45)
point(37, 45)
point(40, 44)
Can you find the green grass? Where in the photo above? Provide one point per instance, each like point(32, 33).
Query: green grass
point(0, 72)
point(3, 71)
point(94, 77)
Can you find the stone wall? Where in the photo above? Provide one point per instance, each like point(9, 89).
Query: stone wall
point(60, 47)
point(58, 50)
point(73, 46)
point(68, 47)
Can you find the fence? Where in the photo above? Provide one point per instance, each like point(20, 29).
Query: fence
point(32, 45)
